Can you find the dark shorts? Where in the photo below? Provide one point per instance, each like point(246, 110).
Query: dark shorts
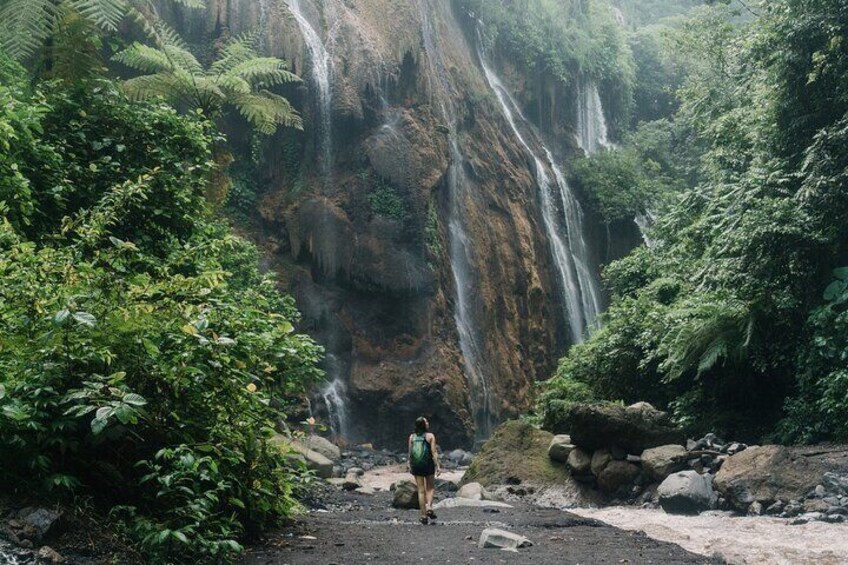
point(424, 470)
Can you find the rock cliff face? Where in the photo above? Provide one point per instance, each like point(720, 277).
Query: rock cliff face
point(365, 223)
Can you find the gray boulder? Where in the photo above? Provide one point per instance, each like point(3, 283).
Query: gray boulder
point(687, 492)
point(323, 446)
point(474, 491)
point(768, 473)
point(351, 482)
point(39, 523)
point(617, 474)
point(405, 495)
point(502, 539)
point(579, 462)
point(835, 483)
point(634, 428)
point(322, 466)
point(660, 462)
point(560, 448)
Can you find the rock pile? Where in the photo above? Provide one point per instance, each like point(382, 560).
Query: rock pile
point(619, 449)
point(28, 529)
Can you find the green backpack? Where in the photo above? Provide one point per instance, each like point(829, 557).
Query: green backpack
point(419, 455)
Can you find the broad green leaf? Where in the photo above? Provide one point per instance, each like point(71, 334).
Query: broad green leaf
point(2, 392)
point(189, 329)
point(841, 273)
point(61, 317)
point(85, 319)
point(834, 290)
point(180, 536)
point(134, 399)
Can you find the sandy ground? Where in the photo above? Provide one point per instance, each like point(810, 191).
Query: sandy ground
point(738, 540)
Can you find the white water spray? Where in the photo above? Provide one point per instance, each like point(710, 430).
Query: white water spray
point(461, 248)
point(570, 253)
point(321, 75)
point(592, 133)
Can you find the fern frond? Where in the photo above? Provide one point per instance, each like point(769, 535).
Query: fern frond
point(25, 25)
point(715, 351)
point(233, 84)
point(164, 85)
point(182, 58)
point(265, 111)
point(237, 50)
point(144, 58)
point(106, 14)
point(265, 71)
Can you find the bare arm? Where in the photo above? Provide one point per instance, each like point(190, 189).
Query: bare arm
point(435, 453)
point(409, 454)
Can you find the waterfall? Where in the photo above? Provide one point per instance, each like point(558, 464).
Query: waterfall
point(645, 220)
point(592, 134)
point(321, 75)
point(334, 393)
point(570, 253)
point(461, 248)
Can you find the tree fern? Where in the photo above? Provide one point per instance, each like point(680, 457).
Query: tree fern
point(26, 24)
point(239, 77)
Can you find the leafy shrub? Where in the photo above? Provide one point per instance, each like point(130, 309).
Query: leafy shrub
point(386, 202)
point(144, 361)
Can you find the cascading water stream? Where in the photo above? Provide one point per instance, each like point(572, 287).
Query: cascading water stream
point(592, 133)
point(570, 254)
point(461, 248)
point(334, 393)
point(321, 75)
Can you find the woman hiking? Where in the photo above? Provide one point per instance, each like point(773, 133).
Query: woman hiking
point(424, 465)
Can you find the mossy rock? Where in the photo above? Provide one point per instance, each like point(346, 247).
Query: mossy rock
point(517, 452)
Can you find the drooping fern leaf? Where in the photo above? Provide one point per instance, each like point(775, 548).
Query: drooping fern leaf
point(25, 25)
point(106, 14)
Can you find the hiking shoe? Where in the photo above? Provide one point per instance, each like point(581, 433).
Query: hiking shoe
point(431, 514)
point(424, 520)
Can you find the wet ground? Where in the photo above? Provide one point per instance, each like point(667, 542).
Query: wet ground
point(357, 529)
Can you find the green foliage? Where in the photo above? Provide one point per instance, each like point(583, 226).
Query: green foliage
point(238, 77)
point(144, 359)
point(568, 39)
point(432, 235)
point(27, 24)
point(723, 318)
point(385, 201)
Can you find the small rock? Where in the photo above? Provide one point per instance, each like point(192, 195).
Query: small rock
point(367, 491)
point(405, 495)
point(50, 555)
point(351, 482)
point(837, 484)
point(736, 447)
point(466, 460)
point(501, 539)
point(38, 523)
point(820, 491)
point(358, 471)
point(691, 445)
point(776, 508)
point(755, 509)
point(468, 503)
point(474, 491)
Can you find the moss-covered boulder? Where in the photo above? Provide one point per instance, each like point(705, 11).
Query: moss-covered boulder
point(517, 452)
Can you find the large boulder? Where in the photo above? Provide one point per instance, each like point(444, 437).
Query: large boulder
point(600, 459)
point(580, 463)
point(560, 447)
point(323, 446)
point(615, 475)
point(633, 428)
point(769, 473)
point(516, 453)
point(660, 462)
point(322, 466)
point(687, 492)
point(405, 495)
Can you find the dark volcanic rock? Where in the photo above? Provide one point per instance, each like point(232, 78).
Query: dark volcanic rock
point(634, 428)
point(772, 472)
point(617, 474)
